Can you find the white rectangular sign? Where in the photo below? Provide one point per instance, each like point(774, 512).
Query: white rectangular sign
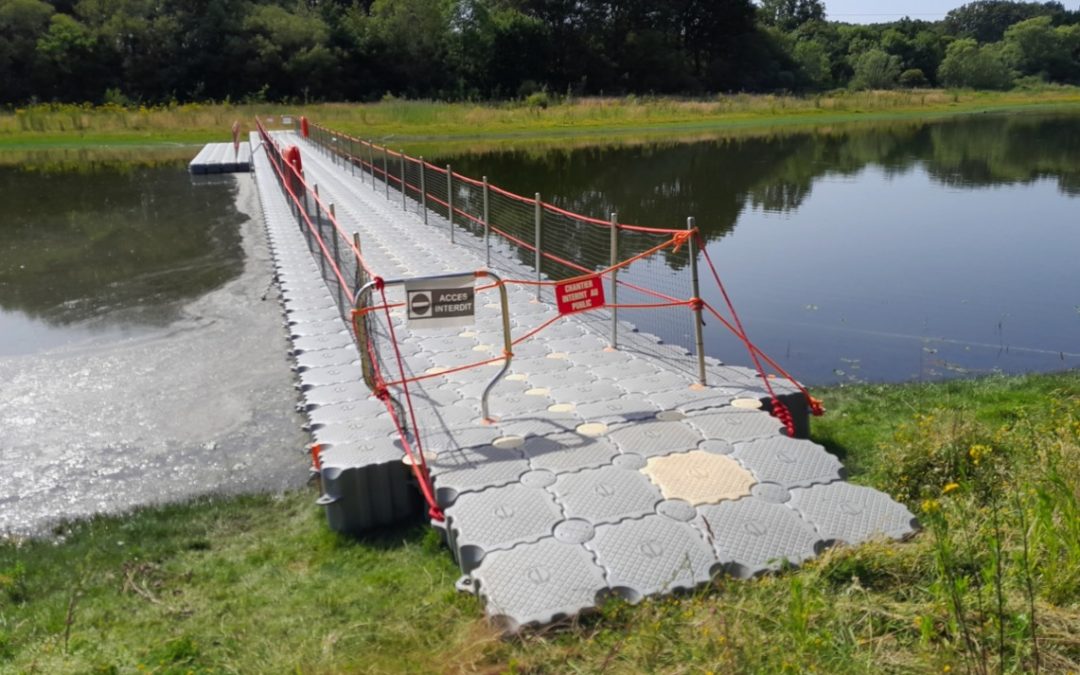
point(437, 303)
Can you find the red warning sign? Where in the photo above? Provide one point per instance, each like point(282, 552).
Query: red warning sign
point(579, 295)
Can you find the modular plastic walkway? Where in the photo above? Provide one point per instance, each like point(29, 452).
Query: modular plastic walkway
point(222, 158)
point(606, 471)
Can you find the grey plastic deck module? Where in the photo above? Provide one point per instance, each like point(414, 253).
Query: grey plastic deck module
point(222, 158)
point(605, 471)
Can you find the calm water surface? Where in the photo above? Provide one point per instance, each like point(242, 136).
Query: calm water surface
point(142, 354)
point(108, 252)
point(886, 253)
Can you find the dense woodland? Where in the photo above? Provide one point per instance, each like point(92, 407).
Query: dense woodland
point(159, 51)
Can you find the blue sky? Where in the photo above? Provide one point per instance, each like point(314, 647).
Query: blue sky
point(875, 11)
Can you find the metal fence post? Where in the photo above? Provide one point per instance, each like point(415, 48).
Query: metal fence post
point(386, 170)
point(359, 322)
point(360, 275)
point(699, 339)
point(352, 149)
point(319, 231)
point(337, 250)
point(333, 234)
point(487, 224)
point(614, 281)
point(404, 192)
point(371, 162)
point(450, 199)
point(539, 220)
point(423, 189)
point(307, 207)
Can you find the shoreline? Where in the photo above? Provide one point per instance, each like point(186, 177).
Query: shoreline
point(234, 583)
point(425, 125)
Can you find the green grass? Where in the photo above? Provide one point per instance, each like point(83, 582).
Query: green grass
point(258, 584)
point(421, 125)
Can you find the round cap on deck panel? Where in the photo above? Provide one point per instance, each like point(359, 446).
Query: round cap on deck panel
point(747, 403)
point(538, 391)
point(467, 334)
point(593, 429)
point(561, 408)
point(539, 478)
point(670, 416)
point(436, 370)
point(574, 531)
point(771, 492)
point(516, 377)
point(482, 348)
point(676, 509)
point(508, 442)
point(559, 356)
point(408, 460)
point(629, 461)
point(717, 447)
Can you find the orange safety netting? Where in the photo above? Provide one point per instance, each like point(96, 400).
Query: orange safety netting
point(513, 228)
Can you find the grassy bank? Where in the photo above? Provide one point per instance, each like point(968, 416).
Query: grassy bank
point(258, 584)
point(415, 124)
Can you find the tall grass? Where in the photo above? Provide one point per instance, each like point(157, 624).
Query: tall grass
point(421, 119)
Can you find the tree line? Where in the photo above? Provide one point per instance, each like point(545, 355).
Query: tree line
point(158, 51)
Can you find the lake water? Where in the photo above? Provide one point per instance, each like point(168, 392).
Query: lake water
point(107, 252)
point(885, 252)
point(882, 252)
point(142, 352)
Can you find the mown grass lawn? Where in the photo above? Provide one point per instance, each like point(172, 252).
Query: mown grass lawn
point(259, 584)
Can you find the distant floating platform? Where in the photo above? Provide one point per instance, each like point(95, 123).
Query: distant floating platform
point(222, 158)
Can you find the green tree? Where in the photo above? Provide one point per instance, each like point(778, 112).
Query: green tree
point(928, 49)
point(289, 52)
point(787, 15)
point(69, 53)
point(813, 61)
point(874, 69)
point(966, 64)
point(913, 78)
point(987, 20)
point(411, 39)
point(22, 23)
point(1037, 48)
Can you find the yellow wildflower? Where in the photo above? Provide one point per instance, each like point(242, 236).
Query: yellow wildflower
point(930, 506)
point(977, 452)
point(950, 487)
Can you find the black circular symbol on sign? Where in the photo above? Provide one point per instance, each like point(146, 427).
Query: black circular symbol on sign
point(420, 304)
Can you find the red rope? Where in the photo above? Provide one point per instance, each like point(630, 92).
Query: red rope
point(299, 178)
point(419, 463)
point(506, 193)
point(756, 354)
point(780, 411)
point(576, 216)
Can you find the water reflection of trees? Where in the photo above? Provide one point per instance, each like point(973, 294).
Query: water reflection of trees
point(716, 180)
point(81, 246)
